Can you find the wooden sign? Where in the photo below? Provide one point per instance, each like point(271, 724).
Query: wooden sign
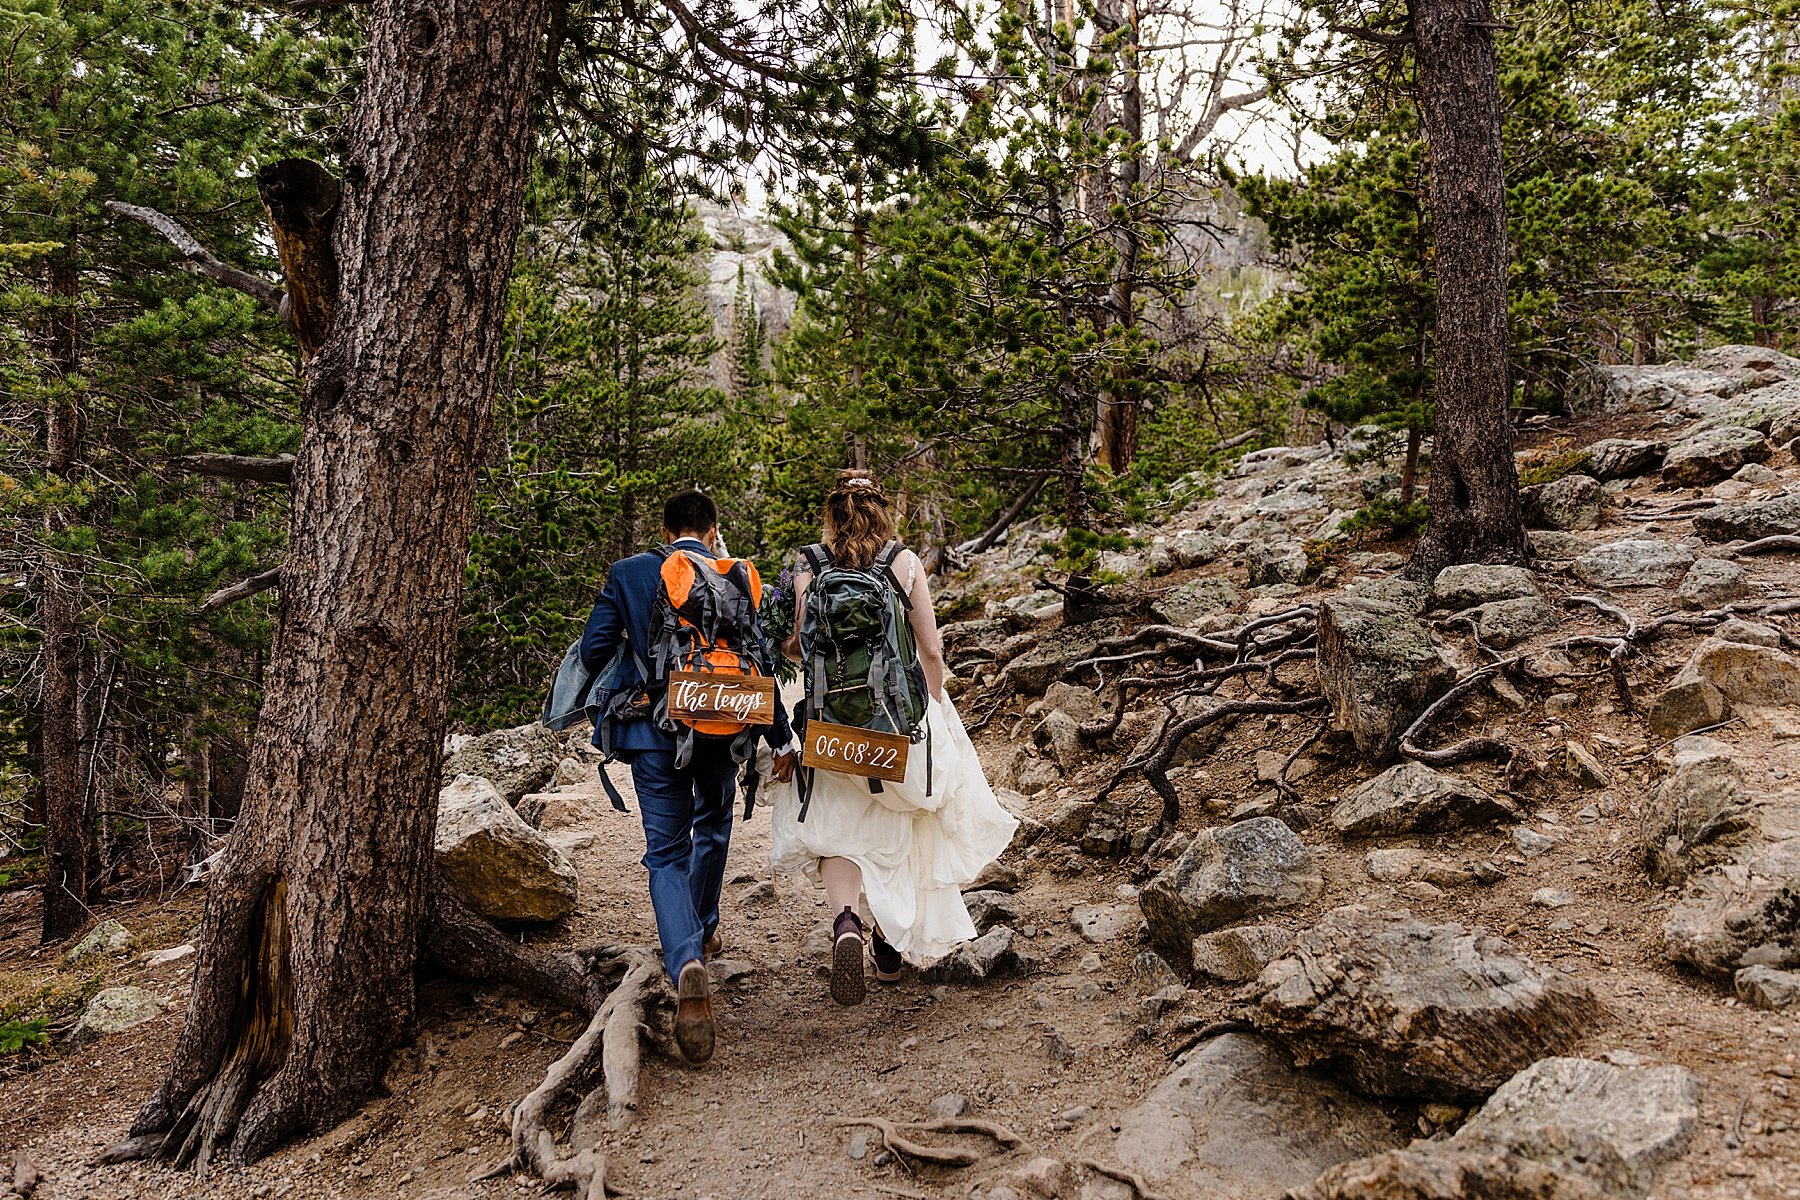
point(852, 751)
point(697, 696)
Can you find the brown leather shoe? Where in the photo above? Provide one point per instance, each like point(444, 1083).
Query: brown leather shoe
point(694, 1029)
point(715, 945)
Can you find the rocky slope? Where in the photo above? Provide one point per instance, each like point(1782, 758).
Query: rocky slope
point(1329, 883)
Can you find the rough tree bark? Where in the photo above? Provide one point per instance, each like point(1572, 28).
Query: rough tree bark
point(1474, 487)
point(304, 977)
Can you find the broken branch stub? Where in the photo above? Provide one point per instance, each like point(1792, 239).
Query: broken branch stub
point(301, 198)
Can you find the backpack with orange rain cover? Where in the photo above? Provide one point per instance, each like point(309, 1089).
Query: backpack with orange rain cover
point(705, 622)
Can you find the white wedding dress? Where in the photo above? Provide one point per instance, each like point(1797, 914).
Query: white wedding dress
point(916, 851)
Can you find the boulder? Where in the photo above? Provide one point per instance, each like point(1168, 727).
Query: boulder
point(1227, 874)
point(988, 908)
point(970, 635)
point(1697, 814)
point(1201, 603)
point(1470, 584)
point(1749, 519)
point(1623, 458)
point(1561, 1129)
point(1658, 386)
point(1712, 582)
point(1553, 543)
point(1404, 1009)
point(1058, 650)
point(1773, 407)
point(1108, 829)
point(1767, 988)
point(496, 863)
point(1712, 455)
point(1572, 502)
point(1195, 547)
point(1238, 955)
point(1059, 736)
point(1756, 676)
point(1728, 360)
point(1740, 914)
point(1505, 623)
point(1585, 767)
point(1635, 562)
point(114, 1010)
point(517, 761)
point(1407, 595)
point(1750, 633)
point(969, 963)
point(1079, 702)
point(1414, 798)
point(1379, 668)
point(1234, 1120)
point(1686, 705)
point(1275, 562)
point(108, 937)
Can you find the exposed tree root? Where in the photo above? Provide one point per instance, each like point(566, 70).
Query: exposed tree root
point(905, 1147)
point(611, 1038)
point(1155, 764)
point(1282, 786)
point(1130, 1178)
point(1781, 543)
point(1468, 749)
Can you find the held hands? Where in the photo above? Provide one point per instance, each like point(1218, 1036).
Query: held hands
point(783, 769)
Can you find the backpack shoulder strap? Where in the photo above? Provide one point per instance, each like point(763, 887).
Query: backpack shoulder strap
point(885, 560)
point(817, 557)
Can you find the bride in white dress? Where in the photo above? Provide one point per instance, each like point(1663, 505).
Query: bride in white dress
point(908, 851)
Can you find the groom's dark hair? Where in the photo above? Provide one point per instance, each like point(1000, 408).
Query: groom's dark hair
point(690, 512)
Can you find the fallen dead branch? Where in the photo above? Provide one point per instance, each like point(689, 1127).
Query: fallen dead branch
point(900, 1139)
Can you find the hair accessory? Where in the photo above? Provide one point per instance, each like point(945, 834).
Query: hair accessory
point(860, 481)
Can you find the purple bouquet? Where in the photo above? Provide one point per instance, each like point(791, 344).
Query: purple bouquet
point(777, 613)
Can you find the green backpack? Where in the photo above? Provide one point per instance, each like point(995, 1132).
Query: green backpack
point(859, 660)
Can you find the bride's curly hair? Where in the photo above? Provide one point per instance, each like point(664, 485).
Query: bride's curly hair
point(858, 521)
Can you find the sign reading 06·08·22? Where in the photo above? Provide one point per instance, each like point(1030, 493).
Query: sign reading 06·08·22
point(852, 751)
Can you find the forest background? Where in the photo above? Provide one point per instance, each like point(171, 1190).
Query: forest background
point(1030, 276)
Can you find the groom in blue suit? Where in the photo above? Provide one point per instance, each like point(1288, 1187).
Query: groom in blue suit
point(686, 810)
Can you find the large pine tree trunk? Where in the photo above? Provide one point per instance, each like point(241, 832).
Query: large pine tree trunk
point(1474, 488)
point(304, 977)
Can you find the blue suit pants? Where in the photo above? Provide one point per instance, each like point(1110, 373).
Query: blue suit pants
point(687, 831)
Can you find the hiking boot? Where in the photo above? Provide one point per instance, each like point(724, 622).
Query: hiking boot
point(714, 946)
point(847, 983)
point(694, 1029)
point(887, 959)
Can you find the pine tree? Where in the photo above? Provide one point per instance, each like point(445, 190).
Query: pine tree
point(119, 368)
point(607, 412)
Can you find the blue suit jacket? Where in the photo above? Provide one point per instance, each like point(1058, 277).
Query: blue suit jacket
point(622, 614)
